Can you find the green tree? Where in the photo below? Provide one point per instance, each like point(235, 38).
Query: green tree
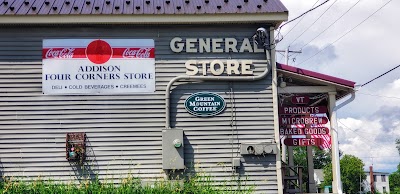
point(394, 181)
point(351, 170)
point(398, 145)
point(321, 157)
point(394, 178)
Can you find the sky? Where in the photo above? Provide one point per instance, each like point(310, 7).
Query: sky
point(358, 47)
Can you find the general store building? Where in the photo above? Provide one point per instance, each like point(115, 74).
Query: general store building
point(115, 79)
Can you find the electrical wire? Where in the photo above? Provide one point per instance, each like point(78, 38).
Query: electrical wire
point(347, 32)
point(294, 19)
point(331, 24)
point(310, 10)
point(313, 23)
point(378, 95)
point(300, 20)
point(379, 157)
point(368, 140)
point(380, 75)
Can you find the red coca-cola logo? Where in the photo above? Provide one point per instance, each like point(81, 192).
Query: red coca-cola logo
point(136, 53)
point(62, 53)
point(99, 51)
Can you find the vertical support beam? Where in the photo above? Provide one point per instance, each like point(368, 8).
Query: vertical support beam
point(337, 183)
point(275, 106)
point(310, 163)
point(284, 148)
point(290, 158)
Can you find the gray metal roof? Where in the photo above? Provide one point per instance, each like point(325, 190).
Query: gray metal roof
point(124, 7)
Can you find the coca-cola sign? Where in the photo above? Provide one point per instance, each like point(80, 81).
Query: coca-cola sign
point(136, 53)
point(98, 66)
point(61, 53)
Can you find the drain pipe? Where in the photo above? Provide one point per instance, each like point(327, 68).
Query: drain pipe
point(210, 78)
point(337, 181)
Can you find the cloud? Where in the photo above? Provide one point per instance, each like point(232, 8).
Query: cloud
point(366, 52)
point(372, 136)
point(327, 53)
point(366, 139)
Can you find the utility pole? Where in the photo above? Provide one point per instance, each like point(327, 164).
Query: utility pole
point(371, 178)
point(285, 148)
point(287, 51)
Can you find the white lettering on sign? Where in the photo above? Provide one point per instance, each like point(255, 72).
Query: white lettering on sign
point(65, 53)
point(217, 67)
point(213, 45)
point(304, 131)
point(136, 53)
point(299, 99)
point(303, 120)
point(300, 110)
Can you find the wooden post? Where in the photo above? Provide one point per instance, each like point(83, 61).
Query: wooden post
point(371, 178)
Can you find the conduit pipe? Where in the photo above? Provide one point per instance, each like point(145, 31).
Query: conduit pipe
point(337, 184)
point(210, 78)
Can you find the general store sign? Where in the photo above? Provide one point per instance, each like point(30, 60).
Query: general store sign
point(98, 66)
point(205, 104)
point(216, 67)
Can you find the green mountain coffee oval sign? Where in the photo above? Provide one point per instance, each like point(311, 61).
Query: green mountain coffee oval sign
point(205, 104)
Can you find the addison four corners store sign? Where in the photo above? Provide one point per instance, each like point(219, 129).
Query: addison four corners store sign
point(98, 66)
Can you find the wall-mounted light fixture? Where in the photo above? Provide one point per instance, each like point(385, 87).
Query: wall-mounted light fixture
point(281, 81)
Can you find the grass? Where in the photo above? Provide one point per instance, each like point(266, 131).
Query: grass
point(193, 185)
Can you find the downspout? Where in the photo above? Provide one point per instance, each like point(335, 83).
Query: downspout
point(337, 182)
point(210, 78)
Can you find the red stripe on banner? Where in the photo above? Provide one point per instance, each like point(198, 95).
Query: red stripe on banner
point(80, 53)
point(133, 53)
point(63, 53)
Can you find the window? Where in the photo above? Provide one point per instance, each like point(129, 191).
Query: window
point(384, 189)
point(383, 178)
point(374, 178)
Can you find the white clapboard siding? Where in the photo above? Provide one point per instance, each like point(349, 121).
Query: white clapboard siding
point(124, 131)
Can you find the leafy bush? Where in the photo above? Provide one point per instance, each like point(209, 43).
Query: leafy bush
point(194, 185)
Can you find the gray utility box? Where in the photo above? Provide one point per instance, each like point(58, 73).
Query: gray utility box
point(172, 149)
point(258, 148)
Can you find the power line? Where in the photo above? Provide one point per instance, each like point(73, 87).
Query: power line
point(379, 95)
point(279, 29)
point(381, 74)
point(368, 140)
point(313, 23)
point(347, 32)
point(331, 24)
point(379, 157)
point(300, 20)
